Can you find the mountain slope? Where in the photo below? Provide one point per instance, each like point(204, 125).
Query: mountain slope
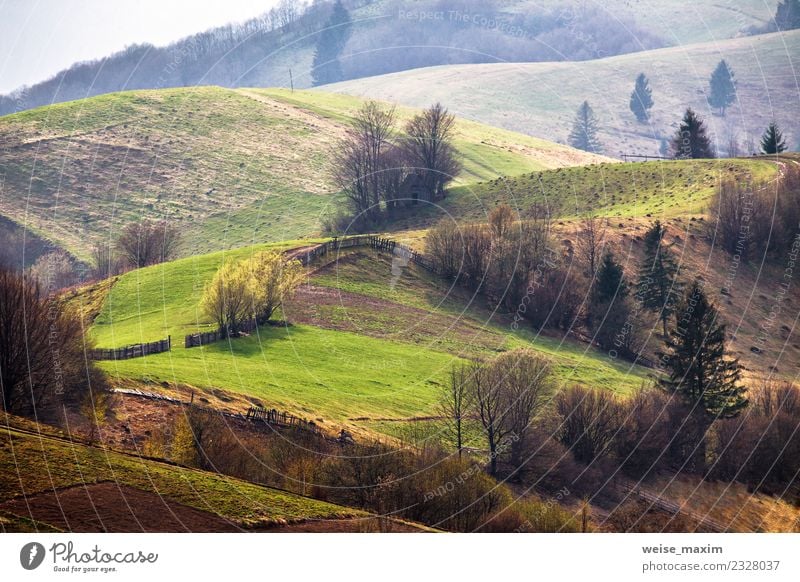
point(541, 98)
point(396, 35)
point(230, 167)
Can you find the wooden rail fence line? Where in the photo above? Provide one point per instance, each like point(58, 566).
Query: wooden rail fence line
point(132, 351)
point(280, 418)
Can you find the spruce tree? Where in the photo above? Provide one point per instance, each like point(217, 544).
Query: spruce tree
point(691, 141)
point(610, 282)
point(722, 87)
point(772, 141)
point(699, 371)
point(326, 67)
point(657, 287)
point(641, 98)
point(584, 130)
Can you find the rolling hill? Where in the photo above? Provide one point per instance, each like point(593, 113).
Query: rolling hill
point(541, 98)
point(362, 346)
point(230, 167)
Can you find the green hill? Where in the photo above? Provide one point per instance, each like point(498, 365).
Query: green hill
point(230, 167)
point(363, 344)
point(541, 98)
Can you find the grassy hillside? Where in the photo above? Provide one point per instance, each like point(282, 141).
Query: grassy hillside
point(658, 189)
point(36, 463)
point(363, 344)
point(541, 98)
point(230, 167)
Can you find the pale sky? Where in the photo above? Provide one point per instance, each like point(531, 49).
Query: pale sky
point(38, 38)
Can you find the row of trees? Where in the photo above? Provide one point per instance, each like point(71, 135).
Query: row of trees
point(515, 264)
point(250, 290)
point(373, 163)
point(690, 140)
point(721, 92)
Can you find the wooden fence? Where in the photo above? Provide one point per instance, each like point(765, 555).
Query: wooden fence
point(209, 337)
point(279, 418)
point(372, 241)
point(132, 351)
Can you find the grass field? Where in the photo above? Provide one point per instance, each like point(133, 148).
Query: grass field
point(35, 462)
point(230, 167)
point(541, 98)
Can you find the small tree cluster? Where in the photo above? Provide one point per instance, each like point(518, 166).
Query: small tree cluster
point(147, 243)
point(505, 396)
point(753, 219)
point(371, 164)
point(251, 289)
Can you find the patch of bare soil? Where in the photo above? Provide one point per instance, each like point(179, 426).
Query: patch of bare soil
point(109, 507)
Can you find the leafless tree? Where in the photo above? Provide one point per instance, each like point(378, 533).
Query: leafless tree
point(359, 158)
point(444, 246)
point(501, 219)
point(526, 383)
point(429, 143)
point(589, 421)
point(455, 403)
point(590, 241)
point(148, 243)
point(490, 408)
point(106, 261)
point(54, 270)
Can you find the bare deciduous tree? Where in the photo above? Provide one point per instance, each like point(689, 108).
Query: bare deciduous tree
point(429, 137)
point(359, 158)
point(589, 421)
point(590, 241)
point(455, 403)
point(501, 219)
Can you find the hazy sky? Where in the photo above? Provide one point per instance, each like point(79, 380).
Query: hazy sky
point(40, 37)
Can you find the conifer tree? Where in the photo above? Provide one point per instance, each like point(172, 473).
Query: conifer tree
point(611, 281)
point(657, 287)
point(690, 140)
point(698, 368)
point(722, 90)
point(584, 130)
point(641, 98)
point(326, 67)
point(772, 141)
